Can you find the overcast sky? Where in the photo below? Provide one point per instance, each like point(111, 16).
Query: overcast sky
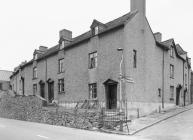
point(27, 24)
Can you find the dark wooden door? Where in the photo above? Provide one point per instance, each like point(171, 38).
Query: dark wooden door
point(23, 86)
point(51, 92)
point(111, 96)
point(42, 90)
point(177, 96)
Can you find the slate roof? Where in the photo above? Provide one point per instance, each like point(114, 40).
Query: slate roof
point(108, 26)
point(180, 50)
point(4, 75)
point(168, 43)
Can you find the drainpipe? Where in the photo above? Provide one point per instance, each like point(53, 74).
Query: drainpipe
point(183, 85)
point(163, 74)
point(45, 90)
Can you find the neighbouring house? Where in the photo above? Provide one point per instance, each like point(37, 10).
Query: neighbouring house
point(154, 73)
point(5, 80)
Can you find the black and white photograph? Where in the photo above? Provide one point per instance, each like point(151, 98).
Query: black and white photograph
point(96, 70)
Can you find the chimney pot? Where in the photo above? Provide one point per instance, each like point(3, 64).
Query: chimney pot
point(158, 36)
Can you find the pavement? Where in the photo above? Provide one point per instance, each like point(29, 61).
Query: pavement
point(140, 124)
point(22, 130)
point(179, 127)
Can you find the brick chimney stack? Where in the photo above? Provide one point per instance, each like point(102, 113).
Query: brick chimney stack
point(139, 5)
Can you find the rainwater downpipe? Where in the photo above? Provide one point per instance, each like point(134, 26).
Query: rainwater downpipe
point(163, 73)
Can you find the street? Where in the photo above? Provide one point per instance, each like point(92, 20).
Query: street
point(179, 127)
point(21, 130)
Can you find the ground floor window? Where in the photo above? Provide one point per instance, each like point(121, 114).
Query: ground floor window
point(1, 87)
point(61, 85)
point(92, 91)
point(171, 93)
point(34, 89)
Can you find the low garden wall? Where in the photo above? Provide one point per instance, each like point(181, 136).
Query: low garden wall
point(29, 108)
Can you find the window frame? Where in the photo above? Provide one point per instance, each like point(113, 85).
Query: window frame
point(61, 65)
point(171, 93)
point(35, 73)
point(92, 90)
point(134, 58)
point(171, 71)
point(1, 86)
point(172, 52)
point(61, 85)
point(185, 78)
point(92, 60)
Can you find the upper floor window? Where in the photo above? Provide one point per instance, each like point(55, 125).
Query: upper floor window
point(96, 30)
point(172, 52)
point(134, 59)
point(35, 72)
point(171, 71)
point(171, 92)
point(185, 77)
point(92, 91)
point(36, 56)
point(92, 60)
point(61, 65)
point(34, 89)
point(62, 45)
point(61, 85)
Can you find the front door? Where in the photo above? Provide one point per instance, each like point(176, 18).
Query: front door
point(23, 86)
point(112, 96)
point(111, 93)
point(50, 92)
point(42, 90)
point(177, 96)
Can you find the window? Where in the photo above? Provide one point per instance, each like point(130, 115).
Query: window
point(171, 71)
point(159, 92)
point(171, 92)
point(185, 77)
point(96, 30)
point(36, 56)
point(62, 45)
point(172, 52)
point(60, 85)
point(1, 87)
point(92, 91)
point(34, 89)
point(134, 59)
point(35, 72)
point(61, 65)
point(92, 60)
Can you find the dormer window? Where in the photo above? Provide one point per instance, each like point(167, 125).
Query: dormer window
point(96, 30)
point(172, 52)
point(62, 45)
point(96, 26)
point(35, 56)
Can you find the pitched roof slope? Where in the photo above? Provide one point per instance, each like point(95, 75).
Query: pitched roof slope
point(4, 75)
point(180, 50)
point(108, 26)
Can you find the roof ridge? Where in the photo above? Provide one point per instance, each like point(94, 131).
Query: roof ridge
point(171, 39)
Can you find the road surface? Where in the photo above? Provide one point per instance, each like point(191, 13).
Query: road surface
point(179, 127)
point(21, 130)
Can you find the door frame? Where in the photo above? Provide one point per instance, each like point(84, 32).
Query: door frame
point(178, 89)
point(50, 83)
point(107, 85)
point(41, 83)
